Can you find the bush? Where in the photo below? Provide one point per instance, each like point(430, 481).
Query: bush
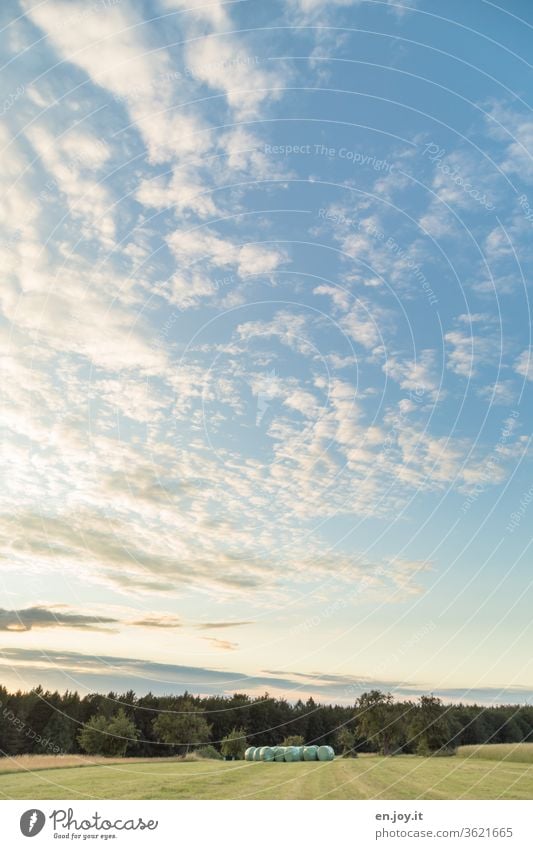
point(108, 737)
point(208, 752)
point(234, 744)
point(345, 742)
point(294, 740)
point(183, 728)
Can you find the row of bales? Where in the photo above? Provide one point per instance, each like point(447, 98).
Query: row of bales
point(289, 754)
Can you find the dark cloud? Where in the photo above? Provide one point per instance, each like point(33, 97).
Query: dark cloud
point(211, 625)
point(344, 680)
point(73, 670)
point(157, 622)
point(42, 617)
point(59, 617)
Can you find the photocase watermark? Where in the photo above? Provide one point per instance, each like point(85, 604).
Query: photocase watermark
point(23, 728)
point(437, 154)
point(188, 73)
point(518, 515)
point(11, 99)
point(223, 282)
point(84, 11)
point(414, 268)
point(369, 227)
point(66, 820)
point(356, 157)
point(76, 827)
point(490, 466)
point(32, 822)
point(525, 206)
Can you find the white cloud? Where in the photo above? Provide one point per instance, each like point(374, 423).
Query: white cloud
point(109, 47)
point(245, 152)
point(437, 221)
point(503, 392)
point(319, 5)
point(418, 376)
point(68, 315)
point(183, 192)
point(515, 128)
point(212, 11)
point(292, 330)
point(524, 364)
point(68, 159)
point(200, 252)
point(316, 7)
point(361, 320)
point(466, 352)
point(224, 64)
point(362, 324)
point(341, 297)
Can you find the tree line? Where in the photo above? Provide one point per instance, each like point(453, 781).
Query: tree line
point(45, 722)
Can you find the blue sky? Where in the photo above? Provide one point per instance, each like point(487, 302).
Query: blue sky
point(266, 340)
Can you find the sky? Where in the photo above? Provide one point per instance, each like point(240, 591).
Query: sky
point(266, 347)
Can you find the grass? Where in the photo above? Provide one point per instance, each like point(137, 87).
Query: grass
point(25, 763)
point(510, 752)
point(402, 777)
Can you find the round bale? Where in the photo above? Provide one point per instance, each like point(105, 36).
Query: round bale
point(325, 753)
point(310, 753)
point(249, 753)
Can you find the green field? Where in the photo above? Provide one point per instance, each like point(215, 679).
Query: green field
point(516, 752)
point(367, 777)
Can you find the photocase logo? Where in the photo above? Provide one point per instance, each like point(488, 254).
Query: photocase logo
point(32, 822)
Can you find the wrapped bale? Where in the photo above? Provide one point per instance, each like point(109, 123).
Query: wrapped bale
point(325, 753)
point(279, 753)
point(257, 755)
point(291, 754)
point(267, 753)
point(310, 753)
point(300, 752)
point(249, 753)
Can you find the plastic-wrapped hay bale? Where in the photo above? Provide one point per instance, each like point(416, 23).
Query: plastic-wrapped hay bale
point(310, 753)
point(291, 754)
point(325, 753)
point(279, 753)
point(257, 755)
point(267, 753)
point(249, 753)
point(300, 752)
